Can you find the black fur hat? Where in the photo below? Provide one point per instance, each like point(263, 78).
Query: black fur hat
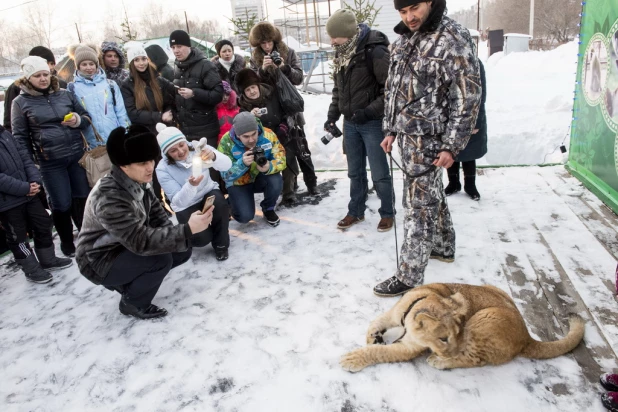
point(246, 78)
point(264, 31)
point(133, 145)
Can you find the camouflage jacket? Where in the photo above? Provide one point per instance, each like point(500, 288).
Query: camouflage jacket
point(433, 87)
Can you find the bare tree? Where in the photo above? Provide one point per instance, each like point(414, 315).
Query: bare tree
point(364, 10)
point(40, 23)
point(556, 20)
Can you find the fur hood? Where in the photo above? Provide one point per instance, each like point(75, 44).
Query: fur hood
point(112, 46)
point(25, 86)
point(71, 49)
point(264, 31)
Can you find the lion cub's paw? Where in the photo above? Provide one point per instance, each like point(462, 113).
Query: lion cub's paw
point(437, 362)
point(353, 361)
point(376, 337)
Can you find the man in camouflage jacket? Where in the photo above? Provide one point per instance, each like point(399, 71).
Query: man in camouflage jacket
point(432, 100)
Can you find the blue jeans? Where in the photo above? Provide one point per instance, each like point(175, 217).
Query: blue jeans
point(362, 141)
point(64, 179)
point(242, 199)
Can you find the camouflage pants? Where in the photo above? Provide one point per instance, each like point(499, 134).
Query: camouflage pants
point(427, 226)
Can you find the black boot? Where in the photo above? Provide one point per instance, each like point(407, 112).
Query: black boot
point(48, 259)
point(391, 287)
point(454, 185)
point(151, 312)
point(470, 187)
point(221, 252)
point(77, 211)
point(64, 227)
point(33, 270)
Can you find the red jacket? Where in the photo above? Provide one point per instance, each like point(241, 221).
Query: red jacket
point(226, 113)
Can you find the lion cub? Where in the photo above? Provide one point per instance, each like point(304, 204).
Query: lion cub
point(463, 325)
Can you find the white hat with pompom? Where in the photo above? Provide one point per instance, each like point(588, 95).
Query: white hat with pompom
point(168, 137)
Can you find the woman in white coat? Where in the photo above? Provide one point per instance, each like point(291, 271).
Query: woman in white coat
point(188, 189)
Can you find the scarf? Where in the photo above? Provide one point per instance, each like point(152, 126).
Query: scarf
point(227, 65)
point(145, 75)
point(250, 104)
point(345, 52)
point(86, 76)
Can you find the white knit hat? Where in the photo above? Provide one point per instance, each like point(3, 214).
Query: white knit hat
point(136, 51)
point(33, 64)
point(168, 137)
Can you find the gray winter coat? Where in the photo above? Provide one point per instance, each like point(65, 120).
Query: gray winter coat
point(17, 171)
point(433, 88)
point(291, 68)
point(198, 115)
point(121, 215)
point(36, 118)
point(357, 87)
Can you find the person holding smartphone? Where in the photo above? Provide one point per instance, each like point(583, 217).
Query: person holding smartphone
point(189, 191)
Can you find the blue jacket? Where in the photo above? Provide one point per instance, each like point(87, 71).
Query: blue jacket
point(174, 179)
point(17, 171)
point(97, 98)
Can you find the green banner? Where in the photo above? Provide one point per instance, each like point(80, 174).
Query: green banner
point(593, 156)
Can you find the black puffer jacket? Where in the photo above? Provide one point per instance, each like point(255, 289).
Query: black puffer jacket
point(197, 116)
point(238, 64)
point(36, 118)
point(10, 94)
point(148, 118)
point(17, 171)
point(355, 86)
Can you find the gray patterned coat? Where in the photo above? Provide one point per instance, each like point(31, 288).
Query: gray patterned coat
point(433, 88)
point(121, 215)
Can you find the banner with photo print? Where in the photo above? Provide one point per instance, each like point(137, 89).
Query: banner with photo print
point(593, 156)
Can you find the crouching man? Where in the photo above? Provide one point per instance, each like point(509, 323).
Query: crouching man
point(257, 161)
point(127, 243)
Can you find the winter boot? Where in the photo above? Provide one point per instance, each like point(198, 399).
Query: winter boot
point(391, 287)
point(454, 185)
point(610, 401)
point(271, 217)
point(221, 252)
point(33, 270)
point(470, 187)
point(64, 227)
point(77, 211)
point(48, 259)
point(610, 381)
point(151, 312)
point(313, 190)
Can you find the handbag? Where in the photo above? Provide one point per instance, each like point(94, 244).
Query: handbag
point(96, 161)
point(289, 97)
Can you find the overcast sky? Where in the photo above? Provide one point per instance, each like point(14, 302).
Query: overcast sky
point(94, 14)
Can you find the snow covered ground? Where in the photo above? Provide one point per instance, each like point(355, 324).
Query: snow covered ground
point(264, 330)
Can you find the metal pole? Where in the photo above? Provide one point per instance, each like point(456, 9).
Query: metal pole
point(531, 18)
point(307, 24)
point(79, 36)
point(478, 16)
point(317, 25)
point(187, 23)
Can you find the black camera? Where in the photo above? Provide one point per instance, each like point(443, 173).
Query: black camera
point(259, 156)
point(276, 58)
point(332, 131)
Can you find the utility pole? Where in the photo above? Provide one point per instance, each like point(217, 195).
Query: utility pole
point(187, 23)
point(531, 18)
point(79, 36)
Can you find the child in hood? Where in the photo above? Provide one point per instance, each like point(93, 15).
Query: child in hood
point(226, 110)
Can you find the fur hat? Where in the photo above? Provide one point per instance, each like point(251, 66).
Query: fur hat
point(180, 37)
point(264, 31)
point(168, 137)
point(33, 64)
point(133, 145)
point(246, 78)
point(43, 52)
point(219, 45)
point(342, 24)
point(81, 52)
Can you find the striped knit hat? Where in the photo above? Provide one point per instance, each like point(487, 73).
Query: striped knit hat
point(168, 137)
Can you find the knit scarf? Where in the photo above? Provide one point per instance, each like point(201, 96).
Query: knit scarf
point(226, 64)
point(345, 52)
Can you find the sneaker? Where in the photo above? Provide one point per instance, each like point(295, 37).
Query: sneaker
point(441, 257)
point(386, 224)
point(610, 401)
point(221, 252)
point(452, 187)
point(271, 217)
point(151, 312)
point(349, 221)
point(609, 381)
point(391, 287)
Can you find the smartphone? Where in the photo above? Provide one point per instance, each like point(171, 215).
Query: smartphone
point(210, 201)
point(68, 117)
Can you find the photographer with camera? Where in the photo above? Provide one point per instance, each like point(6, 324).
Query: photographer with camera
point(360, 71)
point(261, 100)
point(271, 53)
point(257, 160)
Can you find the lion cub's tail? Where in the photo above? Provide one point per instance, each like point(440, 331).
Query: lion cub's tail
point(547, 350)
